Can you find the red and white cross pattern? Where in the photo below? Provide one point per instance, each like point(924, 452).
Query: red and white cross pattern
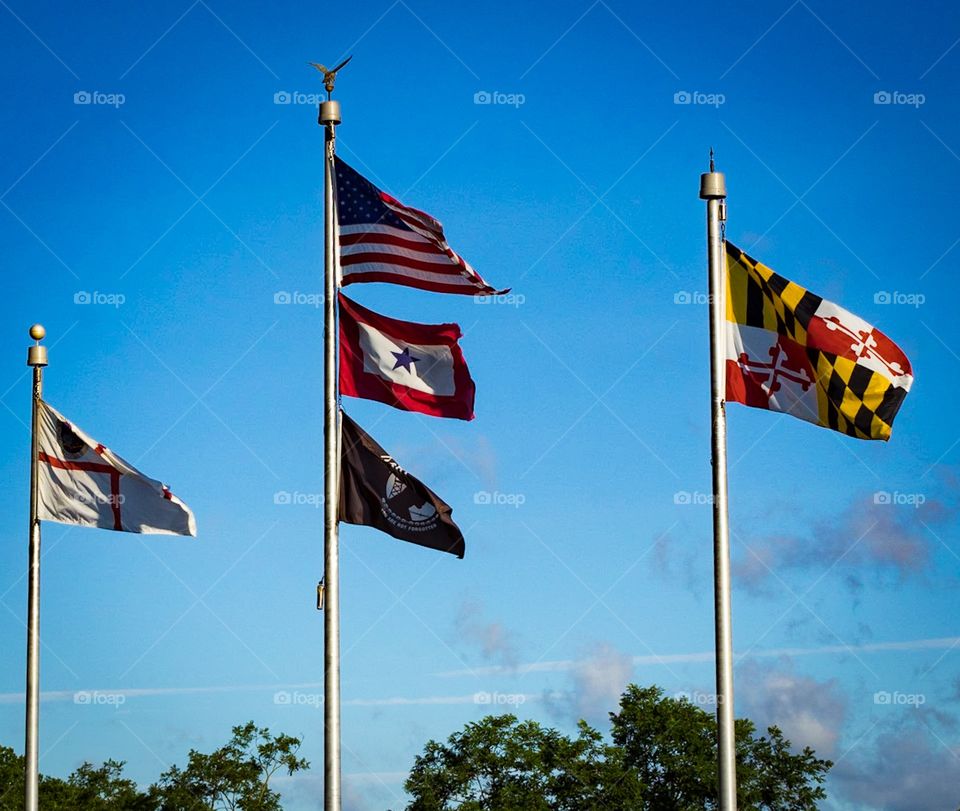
point(80, 481)
point(840, 332)
point(771, 371)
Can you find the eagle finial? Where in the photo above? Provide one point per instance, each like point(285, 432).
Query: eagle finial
point(329, 76)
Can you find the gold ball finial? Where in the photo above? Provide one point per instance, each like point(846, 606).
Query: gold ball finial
point(37, 332)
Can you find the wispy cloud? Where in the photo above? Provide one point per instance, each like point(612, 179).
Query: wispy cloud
point(150, 692)
point(494, 641)
point(562, 665)
point(138, 692)
point(400, 701)
point(873, 535)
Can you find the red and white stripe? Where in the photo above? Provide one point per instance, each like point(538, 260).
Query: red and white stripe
point(418, 258)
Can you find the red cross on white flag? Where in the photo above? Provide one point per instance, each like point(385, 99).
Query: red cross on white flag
point(82, 482)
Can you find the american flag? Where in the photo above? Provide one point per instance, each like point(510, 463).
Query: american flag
point(382, 240)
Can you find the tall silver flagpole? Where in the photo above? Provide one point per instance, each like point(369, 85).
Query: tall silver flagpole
point(329, 118)
point(37, 358)
point(713, 189)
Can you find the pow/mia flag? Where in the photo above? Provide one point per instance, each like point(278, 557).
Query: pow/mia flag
point(376, 492)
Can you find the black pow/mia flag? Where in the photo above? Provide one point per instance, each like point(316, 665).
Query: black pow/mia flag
point(376, 492)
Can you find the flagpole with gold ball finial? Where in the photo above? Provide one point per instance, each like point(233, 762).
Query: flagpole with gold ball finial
point(329, 118)
point(713, 189)
point(37, 358)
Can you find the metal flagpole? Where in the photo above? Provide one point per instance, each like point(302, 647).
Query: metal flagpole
point(713, 189)
point(37, 358)
point(329, 118)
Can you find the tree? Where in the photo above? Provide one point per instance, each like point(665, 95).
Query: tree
point(104, 789)
point(503, 763)
point(88, 788)
point(11, 780)
point(671, 744)
point(235, 777)
point(662, 758)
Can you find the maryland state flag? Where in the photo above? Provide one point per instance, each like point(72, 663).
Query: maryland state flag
point(790, 350)
point(376, 492)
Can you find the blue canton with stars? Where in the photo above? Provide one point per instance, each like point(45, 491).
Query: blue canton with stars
point(359, 203)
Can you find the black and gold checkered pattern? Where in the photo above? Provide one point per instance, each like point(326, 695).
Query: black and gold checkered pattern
point(758, 297)
point(852, 398)
point(857, 401)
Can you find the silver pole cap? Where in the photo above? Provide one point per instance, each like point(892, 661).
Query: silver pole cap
point(329, 112)
point(713, 186)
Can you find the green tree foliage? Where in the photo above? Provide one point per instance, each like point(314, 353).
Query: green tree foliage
point(671, 745)
point(88, 788)
point(236, 777)
point(104, 789)
point(662, 758)
point(503, 763)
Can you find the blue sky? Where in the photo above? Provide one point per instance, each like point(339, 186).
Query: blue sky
point(185, 197)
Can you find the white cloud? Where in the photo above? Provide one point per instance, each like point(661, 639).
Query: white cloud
point(808, 711)
point(907, 768)
point(598, 682)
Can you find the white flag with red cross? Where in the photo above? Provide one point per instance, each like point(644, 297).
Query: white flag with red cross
point(82, 482)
